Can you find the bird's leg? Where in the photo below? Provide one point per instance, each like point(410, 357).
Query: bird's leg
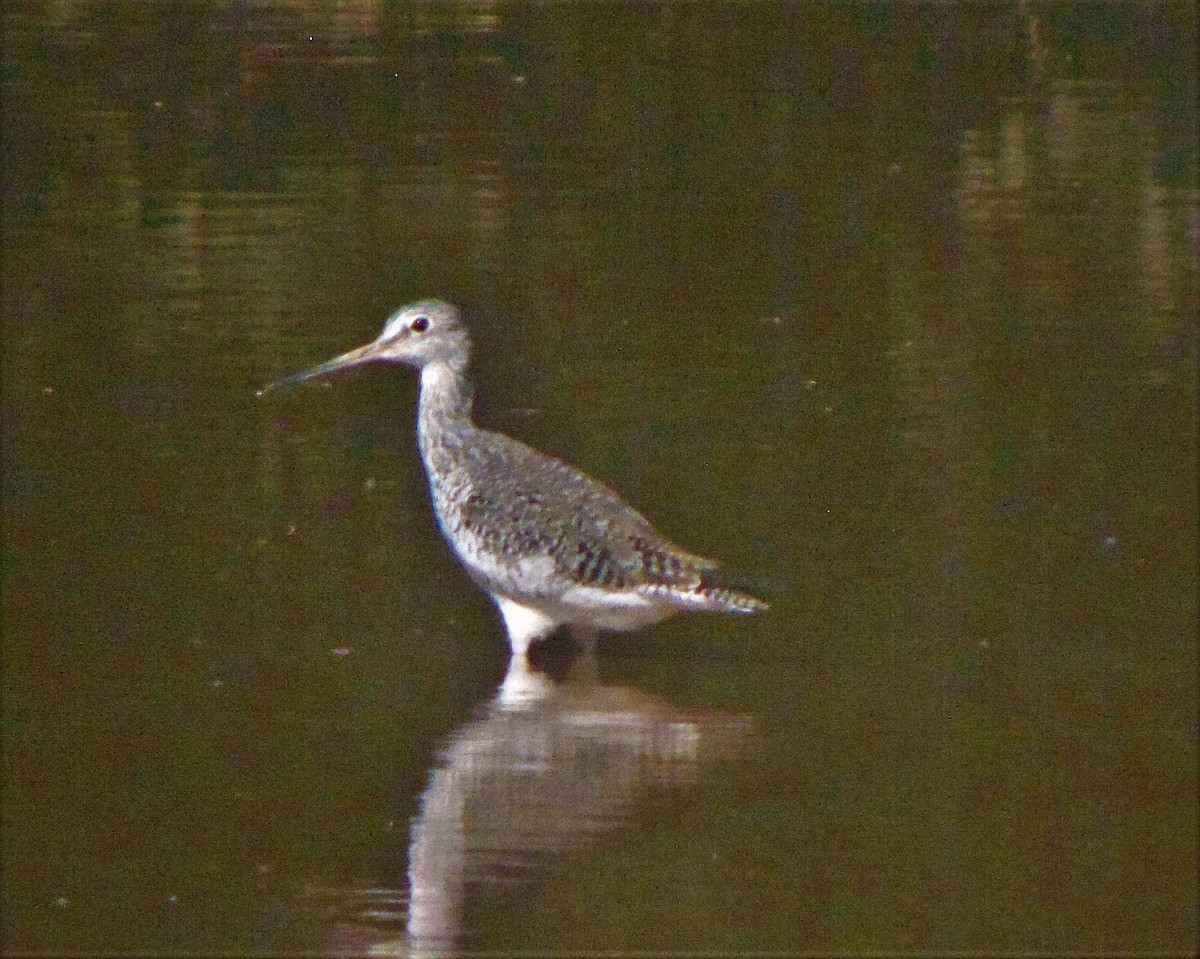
point(523, 685)
point(524, 625)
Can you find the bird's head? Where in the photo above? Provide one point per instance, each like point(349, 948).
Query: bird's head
point(428, 331)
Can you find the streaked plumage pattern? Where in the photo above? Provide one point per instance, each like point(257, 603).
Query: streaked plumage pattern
point(551, 545)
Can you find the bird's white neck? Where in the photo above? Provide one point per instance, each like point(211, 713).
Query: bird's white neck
point(445, 402)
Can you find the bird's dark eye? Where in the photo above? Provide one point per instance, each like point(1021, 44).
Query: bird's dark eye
point(420, 324)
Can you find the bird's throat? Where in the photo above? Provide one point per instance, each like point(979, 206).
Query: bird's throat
point(445, 402)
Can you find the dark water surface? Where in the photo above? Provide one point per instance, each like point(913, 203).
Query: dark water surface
point(891, 307)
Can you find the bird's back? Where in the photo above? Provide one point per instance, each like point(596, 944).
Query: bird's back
point(528, 524)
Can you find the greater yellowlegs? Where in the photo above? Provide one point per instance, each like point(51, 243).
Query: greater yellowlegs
point(550, 545)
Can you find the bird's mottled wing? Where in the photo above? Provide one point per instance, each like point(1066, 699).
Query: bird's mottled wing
point(532, 504)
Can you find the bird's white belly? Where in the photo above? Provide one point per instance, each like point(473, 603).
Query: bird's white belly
point(536, 583)
point(620, 611)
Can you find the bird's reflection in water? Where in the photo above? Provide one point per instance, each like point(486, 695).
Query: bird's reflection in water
point(548, 765)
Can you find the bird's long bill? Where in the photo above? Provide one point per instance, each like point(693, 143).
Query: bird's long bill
point(364, 354)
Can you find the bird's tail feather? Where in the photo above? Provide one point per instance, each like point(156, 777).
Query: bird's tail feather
point(718, 599)
point(732, 601)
